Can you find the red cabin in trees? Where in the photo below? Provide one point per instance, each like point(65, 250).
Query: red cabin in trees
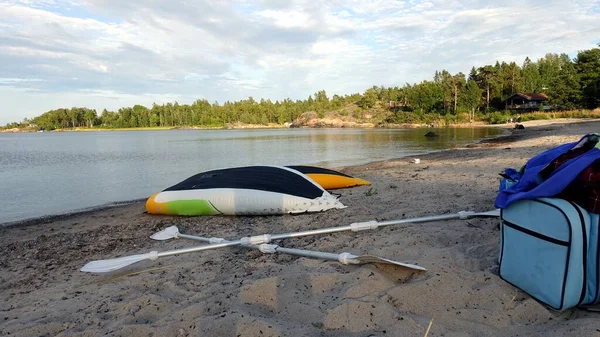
point(525, 101)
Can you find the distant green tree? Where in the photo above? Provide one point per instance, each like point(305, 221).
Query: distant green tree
point(336, 102)
point(549, 68)
point(74, 116)
point(513, 79)
point(473, 75)
point(90, 116)
point(321, 103)
point(457, 82)
point(426, 97)
point(485, 79)
point(142, 115)
point(587, 64)
point(444, 80)
point(369, 98)
point(531, 76)
point(471, 97)
point(566, 91)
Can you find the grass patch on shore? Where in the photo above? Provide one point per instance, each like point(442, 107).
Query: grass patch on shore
point(117, 129)
point(146, 128)
point(500, 117)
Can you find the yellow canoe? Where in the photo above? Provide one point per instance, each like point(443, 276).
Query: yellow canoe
point(329, 179)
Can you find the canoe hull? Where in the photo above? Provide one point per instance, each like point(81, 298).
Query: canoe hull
point(227, 201)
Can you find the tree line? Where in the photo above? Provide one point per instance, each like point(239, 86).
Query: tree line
point(569, 84)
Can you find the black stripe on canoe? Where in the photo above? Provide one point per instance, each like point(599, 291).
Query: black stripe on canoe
point(317, 170)
point(263, 178)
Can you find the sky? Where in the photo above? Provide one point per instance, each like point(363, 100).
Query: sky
point(114, 53)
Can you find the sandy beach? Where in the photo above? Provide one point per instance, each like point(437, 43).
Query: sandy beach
point(242, 292)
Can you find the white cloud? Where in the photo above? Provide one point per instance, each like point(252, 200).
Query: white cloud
point(95, 99)
point(111, 53)
point(8, 80)
point(287, 18)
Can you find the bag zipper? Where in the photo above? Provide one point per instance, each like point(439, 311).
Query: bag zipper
point(584, 236)
point(535, 234)
point(597, 264)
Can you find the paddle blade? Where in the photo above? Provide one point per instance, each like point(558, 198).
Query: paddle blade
point(105, 266)
point(166, 234)
point(375, 259)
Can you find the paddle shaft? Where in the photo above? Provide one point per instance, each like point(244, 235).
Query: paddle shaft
point(267, 238)
point(200, 248)
point(344, 258)
point(362, 226)
point(422, 219)
point(278, 249)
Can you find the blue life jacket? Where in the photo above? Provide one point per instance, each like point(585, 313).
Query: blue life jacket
point(527, 183)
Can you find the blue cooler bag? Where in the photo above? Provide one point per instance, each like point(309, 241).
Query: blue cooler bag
point(593, 261)
point(544, 252)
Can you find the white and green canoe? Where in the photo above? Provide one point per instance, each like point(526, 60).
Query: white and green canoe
point(249, 190)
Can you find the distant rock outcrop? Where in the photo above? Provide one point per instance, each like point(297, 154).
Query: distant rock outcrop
point(310, 119)
point(431, 134)
point(13, 130)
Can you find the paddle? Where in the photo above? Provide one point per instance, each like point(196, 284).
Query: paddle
point(345, 258)
point(103, 266)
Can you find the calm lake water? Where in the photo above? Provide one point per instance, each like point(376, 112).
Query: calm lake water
point(52, 173)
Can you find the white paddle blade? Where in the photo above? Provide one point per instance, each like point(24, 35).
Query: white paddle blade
point(376, 259)
point(166, 234)
point(105, 266)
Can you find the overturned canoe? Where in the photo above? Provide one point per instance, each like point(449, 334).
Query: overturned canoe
point(330, 179)
point(250, 190)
